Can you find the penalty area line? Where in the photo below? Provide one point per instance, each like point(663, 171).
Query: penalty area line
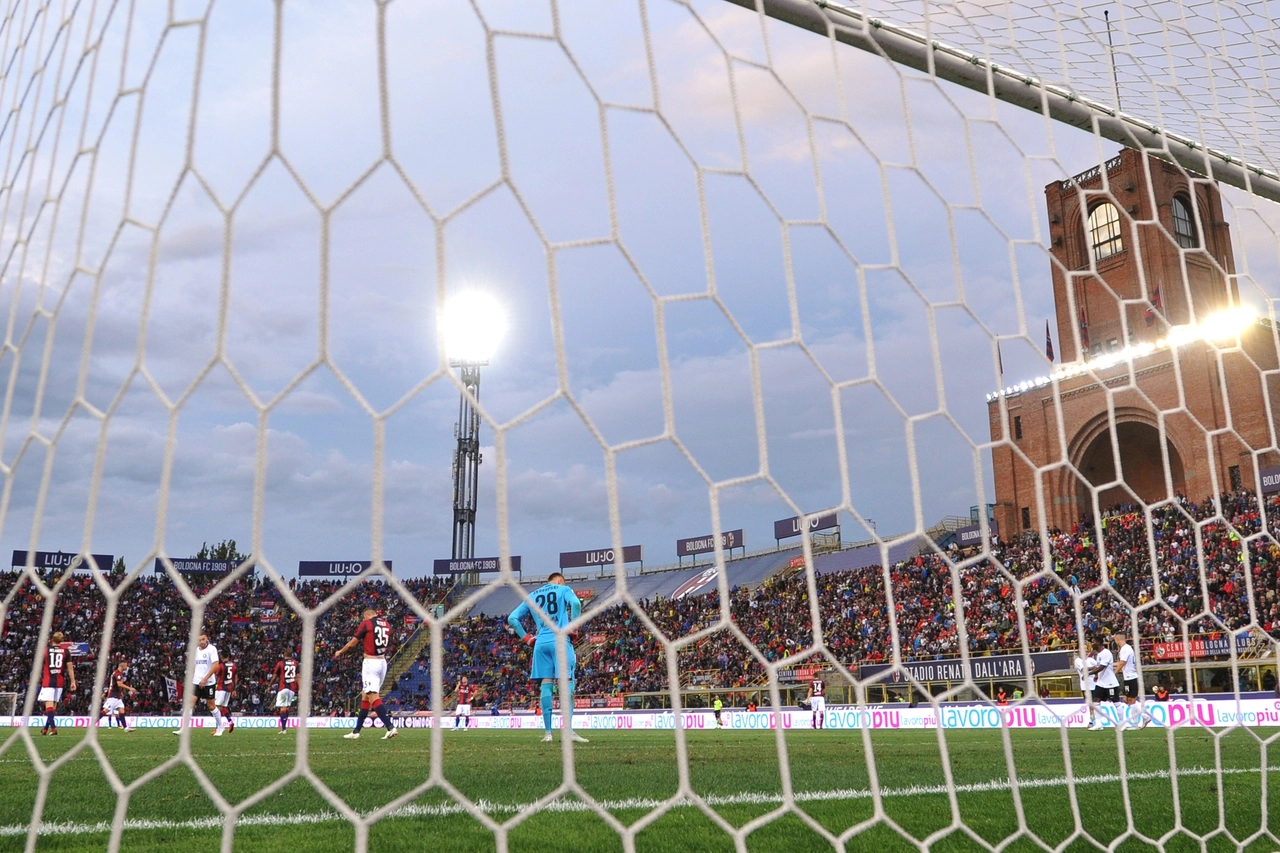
point(645, 803)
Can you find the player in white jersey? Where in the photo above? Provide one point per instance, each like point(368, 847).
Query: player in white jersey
point(1127, 667)
point(818, 703)
point(1106, 688)
point(204, 679)
point(1084, 664)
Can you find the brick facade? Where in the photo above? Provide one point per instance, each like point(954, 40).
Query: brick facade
point(1189, 417)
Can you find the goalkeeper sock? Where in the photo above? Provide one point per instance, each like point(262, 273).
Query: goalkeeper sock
point(546, 707)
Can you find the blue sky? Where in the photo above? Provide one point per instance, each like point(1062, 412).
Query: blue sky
point(718, 240)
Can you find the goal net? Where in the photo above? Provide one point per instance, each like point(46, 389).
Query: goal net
point(974, 303)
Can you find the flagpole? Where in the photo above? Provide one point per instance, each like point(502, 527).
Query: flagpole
point(1111, 54)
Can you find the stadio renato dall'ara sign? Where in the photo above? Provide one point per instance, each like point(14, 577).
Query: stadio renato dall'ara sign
point(336, 568)
point(977, 669)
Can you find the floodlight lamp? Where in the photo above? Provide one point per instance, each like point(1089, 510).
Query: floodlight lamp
point(472, 325)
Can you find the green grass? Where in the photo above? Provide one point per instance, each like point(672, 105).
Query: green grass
point(739, 772)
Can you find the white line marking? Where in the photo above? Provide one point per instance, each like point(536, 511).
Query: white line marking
point(647, 804)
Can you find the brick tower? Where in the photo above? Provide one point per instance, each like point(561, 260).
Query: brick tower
point(1160, 367)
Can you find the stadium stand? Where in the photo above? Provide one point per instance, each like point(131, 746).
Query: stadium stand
point(864, 557)
point(748, 571)
point(247, 622)
point(1006, 597)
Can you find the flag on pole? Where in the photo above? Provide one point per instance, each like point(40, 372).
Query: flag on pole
point(1153, 307)
point(1084, 330)
point(999, 361)
point(172, 687)
point(1048, 342)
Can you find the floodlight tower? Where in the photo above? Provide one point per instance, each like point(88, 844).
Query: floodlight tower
point(472, 325)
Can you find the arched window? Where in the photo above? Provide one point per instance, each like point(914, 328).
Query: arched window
point(1184, 224)
point(1104, 231)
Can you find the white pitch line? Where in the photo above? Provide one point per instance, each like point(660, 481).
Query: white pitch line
point(165, 756)
point(647, 804)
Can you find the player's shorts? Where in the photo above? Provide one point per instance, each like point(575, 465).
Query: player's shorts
point(285, 698)
point(222, 698)
point(50, 694)
point(372, 672)
point(206, 692)
point(463, 711)
point(1106, 694)
point(112, 705)
point(546, 661)
point(818, 704)
point(1088, 694)
point(1131, 688)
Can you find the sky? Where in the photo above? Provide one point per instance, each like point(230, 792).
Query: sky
point(745, 273)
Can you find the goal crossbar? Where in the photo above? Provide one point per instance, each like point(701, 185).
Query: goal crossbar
point(955, 65)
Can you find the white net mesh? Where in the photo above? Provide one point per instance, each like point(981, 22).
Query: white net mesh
point(755, 261)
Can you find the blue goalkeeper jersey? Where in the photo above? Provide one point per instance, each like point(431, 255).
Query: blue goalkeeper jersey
point(555, 600)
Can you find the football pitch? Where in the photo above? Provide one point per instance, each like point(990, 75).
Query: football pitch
point(630, 773)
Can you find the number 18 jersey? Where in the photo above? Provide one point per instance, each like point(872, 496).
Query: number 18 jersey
point(559, 604)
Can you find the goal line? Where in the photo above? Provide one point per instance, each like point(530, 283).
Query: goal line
point(637, 803)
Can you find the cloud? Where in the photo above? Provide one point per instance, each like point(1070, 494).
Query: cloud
point(368, 277)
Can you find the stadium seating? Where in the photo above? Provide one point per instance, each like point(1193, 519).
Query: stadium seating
point(1006, 598)
point(247, 622)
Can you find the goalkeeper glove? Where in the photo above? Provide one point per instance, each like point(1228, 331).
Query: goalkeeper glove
point(529, 639)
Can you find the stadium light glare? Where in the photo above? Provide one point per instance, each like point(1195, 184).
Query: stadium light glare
point(472, 324)
point(1228, 324)
point(1223, 326)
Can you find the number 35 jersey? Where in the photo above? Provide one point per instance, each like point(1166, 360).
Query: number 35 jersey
point(557, 603)
point(376, 635)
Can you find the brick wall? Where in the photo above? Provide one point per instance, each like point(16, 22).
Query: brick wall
point(1184, 416)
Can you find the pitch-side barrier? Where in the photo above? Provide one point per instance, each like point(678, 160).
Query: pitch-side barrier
point(1205, 713)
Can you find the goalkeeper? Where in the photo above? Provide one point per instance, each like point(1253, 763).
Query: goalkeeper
point(557, 607)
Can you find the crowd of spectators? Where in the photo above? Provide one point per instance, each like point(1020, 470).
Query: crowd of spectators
point(1023, 590)
point(249, 622)
point(1206, 567)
